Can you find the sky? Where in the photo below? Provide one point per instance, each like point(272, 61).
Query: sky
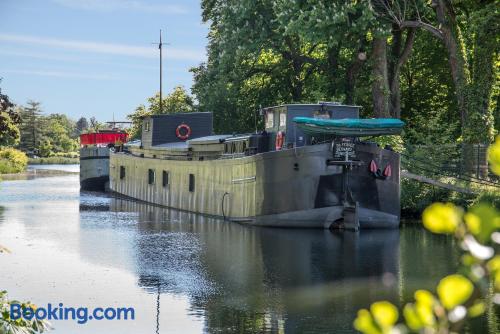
point(97, 57)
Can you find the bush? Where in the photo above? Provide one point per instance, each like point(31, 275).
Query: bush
point(12, 161)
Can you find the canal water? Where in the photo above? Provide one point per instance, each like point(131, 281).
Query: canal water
point(189, 274)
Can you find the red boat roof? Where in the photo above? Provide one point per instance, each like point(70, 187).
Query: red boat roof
point(107, 137)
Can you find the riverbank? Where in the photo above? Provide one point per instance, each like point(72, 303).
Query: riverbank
point(34, 171)
point(53, 160)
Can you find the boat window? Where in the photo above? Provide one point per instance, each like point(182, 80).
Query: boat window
point(122, 172)
point(191, 182)
point(282, 118)
point(165, 178)
point(269, 119)
point(151, 176)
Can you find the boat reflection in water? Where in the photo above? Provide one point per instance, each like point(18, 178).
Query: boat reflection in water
point(247, 278)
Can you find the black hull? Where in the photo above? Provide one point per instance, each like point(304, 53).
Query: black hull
point(94, 183)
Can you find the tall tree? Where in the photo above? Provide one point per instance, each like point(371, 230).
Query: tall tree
point(82, 125)
point(470, 32)
point(31, 127)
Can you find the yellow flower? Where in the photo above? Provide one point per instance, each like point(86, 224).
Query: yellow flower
point(454, 290)
point(442, 218)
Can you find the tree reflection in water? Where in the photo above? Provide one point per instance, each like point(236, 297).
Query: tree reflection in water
point(255, 279)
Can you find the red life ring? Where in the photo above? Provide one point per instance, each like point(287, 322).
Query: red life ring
point(187, 131)
point(280, 139)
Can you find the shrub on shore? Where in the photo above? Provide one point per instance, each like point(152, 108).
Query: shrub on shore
point(12, 160)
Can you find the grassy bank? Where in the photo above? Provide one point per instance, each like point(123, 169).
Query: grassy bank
point(54, 161)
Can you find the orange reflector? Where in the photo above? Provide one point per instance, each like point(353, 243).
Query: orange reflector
point(388, 171)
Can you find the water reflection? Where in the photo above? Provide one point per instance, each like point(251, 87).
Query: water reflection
point(260, 279)
point(189, 273)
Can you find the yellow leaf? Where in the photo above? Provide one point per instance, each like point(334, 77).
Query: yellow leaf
point(454, 290)
point(424, 307)
point(442, 218)
point(424, 297)
point(482, 220)
point(473, 223)
point(411, 317)
point(476, 310)
point(364, 323)
point(384, 313)
point(494, 156)
point(494, 264)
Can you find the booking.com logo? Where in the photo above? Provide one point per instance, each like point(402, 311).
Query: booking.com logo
point(81, 314)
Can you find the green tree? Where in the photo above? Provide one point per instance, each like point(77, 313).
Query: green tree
point(61, 133)
point(31, 127)
point(9, 122)
point(178, 101)
point(82, 125)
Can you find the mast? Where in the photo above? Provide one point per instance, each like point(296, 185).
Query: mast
point(161, 78)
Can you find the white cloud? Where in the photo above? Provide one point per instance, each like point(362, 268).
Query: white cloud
point(113, 5)
point(62, 74)
point(104, 48)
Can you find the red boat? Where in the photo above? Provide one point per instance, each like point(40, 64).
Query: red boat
point(94, 157)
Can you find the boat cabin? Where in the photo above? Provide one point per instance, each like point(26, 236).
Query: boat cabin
point(194, 131)
point(280, 119)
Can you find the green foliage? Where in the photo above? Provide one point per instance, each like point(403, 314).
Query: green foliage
point(9, 131)
point(9, 122)
point(483, 30)
point(179, 101)
point(271, 52)
point(394, 142)
point(45, 135)
point(490, 197)
point(428, 101)
point(12, 161)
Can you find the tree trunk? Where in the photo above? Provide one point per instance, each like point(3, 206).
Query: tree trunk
point(398, 58)
point(380, 84)
point(473, 93)
point(456, 57)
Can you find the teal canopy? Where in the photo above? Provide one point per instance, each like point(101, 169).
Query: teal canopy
point(350, 126)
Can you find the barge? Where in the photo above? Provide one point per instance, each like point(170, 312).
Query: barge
point(310, 167)
point(94, 157)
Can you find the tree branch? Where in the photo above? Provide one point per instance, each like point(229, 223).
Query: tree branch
point(410, 38)
point(419, 24)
